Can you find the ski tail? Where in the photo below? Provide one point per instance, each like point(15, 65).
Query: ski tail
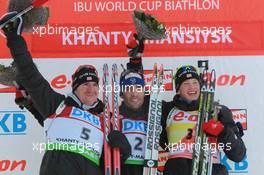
point(148, 163)
point(206, 153)
point(115, 118)
point(154, 128)
point(206, 163)
point(199, 134)
point(202, 163)
point(107, 149)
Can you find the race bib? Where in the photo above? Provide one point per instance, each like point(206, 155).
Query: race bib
point(78, 132)
point(135, 131)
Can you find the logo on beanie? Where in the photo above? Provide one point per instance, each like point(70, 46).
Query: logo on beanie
point(132, 75)
point(82, 76)
point(133, 80)
point(88, 74)
point(184, 73)
point(188, 75)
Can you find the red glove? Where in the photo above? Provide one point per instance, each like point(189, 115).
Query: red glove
point(212, 140)
point(213, 127)
point(132, 43)
point(135, 47)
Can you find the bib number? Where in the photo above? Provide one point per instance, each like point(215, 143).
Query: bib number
point(85, 133)
point(138, 145)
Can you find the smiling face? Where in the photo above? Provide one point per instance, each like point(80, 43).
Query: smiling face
point(190, 89)
point(88, 92)
point(133, 96)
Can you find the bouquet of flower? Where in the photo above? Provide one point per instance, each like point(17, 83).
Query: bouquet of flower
point(38, 16)
point(148, 27)
point(8, 74)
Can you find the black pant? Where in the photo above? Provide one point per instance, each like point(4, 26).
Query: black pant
point(67, 163)
point(183, 166)
point(131, 169)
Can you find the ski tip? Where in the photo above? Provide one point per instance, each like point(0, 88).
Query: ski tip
point(155, 68)
point(114, 67)
point(162, 69)
point(105, 67)
point(213, 75)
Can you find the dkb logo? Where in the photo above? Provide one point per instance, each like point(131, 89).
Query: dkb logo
point(12, 123)
point(235, 167)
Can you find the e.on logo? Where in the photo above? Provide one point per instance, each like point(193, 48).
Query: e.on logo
point(8, 165)
point(60, 81)
point(179, 116)
point(230, 80)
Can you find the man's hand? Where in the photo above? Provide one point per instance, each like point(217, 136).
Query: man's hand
point(119, 140)
point(13, 27)
point(135, 47)
point(23, 100)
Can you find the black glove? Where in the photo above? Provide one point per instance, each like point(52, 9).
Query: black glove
point(135, 47)
point(13, 27)
point(119, 140)
point(135, 51)
point(240, 130)
point(37, 115)
point(219, 169)
point(23, 100)
point(230, 127)
point(135, 64)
